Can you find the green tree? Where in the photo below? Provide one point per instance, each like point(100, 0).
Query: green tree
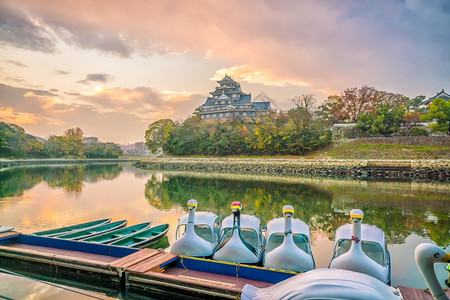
point(74, 142)
point(385, 121)
point(439, 111)
point(158, 133)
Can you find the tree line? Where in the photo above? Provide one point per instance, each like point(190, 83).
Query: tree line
point(303, 128)
point(16, 143)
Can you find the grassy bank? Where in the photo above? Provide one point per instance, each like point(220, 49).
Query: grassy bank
point(389, 148)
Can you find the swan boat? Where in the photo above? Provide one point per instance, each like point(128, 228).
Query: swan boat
point(241, 239)
point(362, 248)
point(288, 244)
point(197, 233)
point(346, 285)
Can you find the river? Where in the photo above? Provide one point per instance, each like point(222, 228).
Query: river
point(43, 197)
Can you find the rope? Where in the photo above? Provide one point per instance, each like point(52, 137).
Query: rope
point(48, 283)
point(182, 263)
point(238, 267)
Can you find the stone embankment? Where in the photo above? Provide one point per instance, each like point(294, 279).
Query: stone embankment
point(6, 163)
point(438, 170)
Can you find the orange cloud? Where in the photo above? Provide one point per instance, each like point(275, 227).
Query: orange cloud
point(253, 75)
point(8, 115)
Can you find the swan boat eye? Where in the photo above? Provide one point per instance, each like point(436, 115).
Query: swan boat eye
point(436, 255)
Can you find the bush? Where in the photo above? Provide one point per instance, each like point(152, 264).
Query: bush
point(418, 131)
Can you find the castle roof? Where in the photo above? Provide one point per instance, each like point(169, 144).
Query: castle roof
point(442, 95)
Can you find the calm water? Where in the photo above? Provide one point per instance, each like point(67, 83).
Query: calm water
point(38, 198)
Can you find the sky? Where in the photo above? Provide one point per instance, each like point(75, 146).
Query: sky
point(114, 67)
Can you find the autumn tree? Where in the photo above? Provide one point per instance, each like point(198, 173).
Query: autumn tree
point(352, 103)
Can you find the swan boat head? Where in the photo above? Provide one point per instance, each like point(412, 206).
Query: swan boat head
point(356, 259)
point(426, 255)
point(288, 256)
point(190, 244)
point(236, 248)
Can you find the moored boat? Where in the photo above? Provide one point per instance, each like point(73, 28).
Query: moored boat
point(144, 237)
point(111, 236)
point(71, 228)
point(345, 284)
point(197, 233)
point(5, 228)
point(362, 248)
point(241, 239)
point(288, 244)
point(82, 234)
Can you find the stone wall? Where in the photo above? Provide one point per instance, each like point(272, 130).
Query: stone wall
point(6, 163)
point(438, 170)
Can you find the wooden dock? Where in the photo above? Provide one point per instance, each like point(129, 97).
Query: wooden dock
point(137, 273)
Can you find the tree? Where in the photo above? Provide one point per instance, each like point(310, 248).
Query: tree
point(385, 121)
point(74, 142)
point(352, 103)
point(302, 115)
point(158, 133)
point(440, 112)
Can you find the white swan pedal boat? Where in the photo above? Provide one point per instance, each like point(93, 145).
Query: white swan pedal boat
point(241, 239)
point(197, 233)
point(288, 244)
point(362, 248)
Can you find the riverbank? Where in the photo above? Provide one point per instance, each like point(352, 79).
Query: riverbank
point(421, 170)
point(7, 163)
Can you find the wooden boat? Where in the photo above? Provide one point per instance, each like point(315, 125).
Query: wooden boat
point(362, 248)
point(288, 244)
point(72, 228)
point(241, 239)
point(144, 237)
point(82, 234)
point(111, 236)
point(345, 284)
point(197, 233)
point(5, 228)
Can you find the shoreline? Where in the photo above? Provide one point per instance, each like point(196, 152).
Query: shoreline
point(9, 163)
point(417, 170)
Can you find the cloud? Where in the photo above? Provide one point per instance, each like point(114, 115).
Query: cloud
point(114, 114)
point(62, 72)
point(253, 75)
point(16, 63)
point(17, 29)
point(327, 45)
point(97, 77)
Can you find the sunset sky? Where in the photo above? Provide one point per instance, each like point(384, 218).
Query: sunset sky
point(113, 67)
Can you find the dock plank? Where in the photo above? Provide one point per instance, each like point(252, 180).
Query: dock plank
point(135, 258)
point(417, 294)
point(154, 263)
point(61, 253)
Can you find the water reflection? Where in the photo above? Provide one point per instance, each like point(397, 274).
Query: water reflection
point(399, 209)
point(71, 178)
point(38, 198)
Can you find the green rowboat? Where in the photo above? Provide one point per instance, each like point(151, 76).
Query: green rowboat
point(144, 237)
point(111, 236)
point(72, 228)
point(82, 234)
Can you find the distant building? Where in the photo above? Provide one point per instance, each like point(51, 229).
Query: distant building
point(90, 140)
point(136, 149)
point(443, 95)
point(229, 101)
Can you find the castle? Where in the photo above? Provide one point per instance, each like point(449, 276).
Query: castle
point(229, 101)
